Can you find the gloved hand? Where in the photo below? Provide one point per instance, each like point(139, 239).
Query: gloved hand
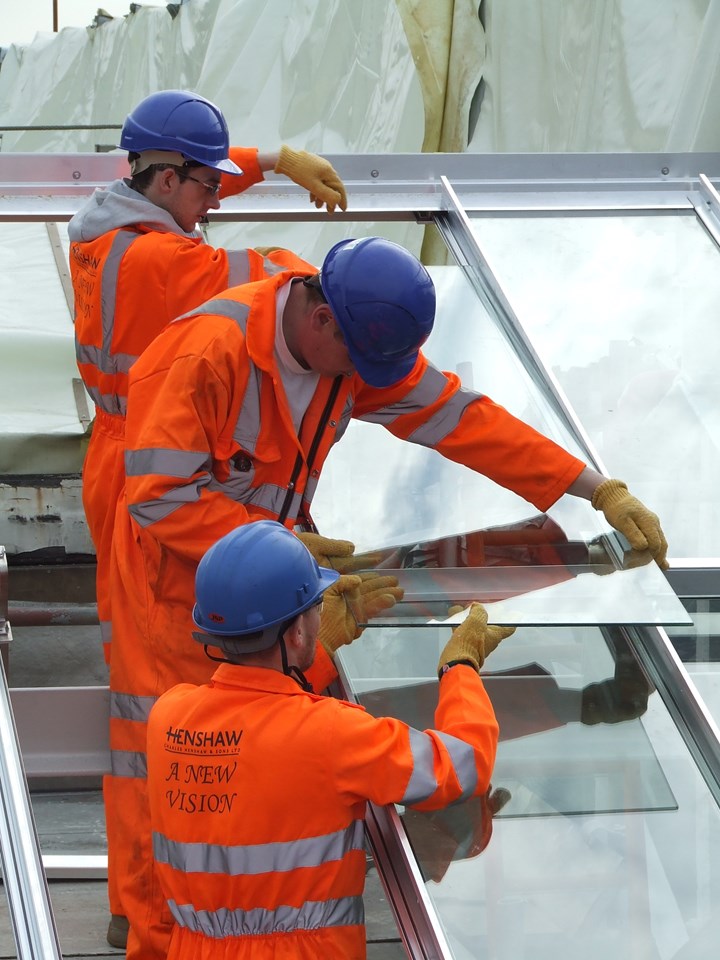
point(473, 640)
point(339, 624)
point(328, 553)
point(632, 518)
point(458, 832)
point(603, 702)
point(360, 563)
point(623, 696)
point(316, 174)
point(375, 593)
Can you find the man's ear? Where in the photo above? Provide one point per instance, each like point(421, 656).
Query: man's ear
point(295, 633)
point(324, 314)
point(164, 178)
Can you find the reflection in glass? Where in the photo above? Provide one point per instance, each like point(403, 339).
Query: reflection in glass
point(525, 573)
point(379, 491)
point(598, 838)
point(624, 311)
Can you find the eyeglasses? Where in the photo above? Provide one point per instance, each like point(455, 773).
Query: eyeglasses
point(213, 188)
point(319, 605)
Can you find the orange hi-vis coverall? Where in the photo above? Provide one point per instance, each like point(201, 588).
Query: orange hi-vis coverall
point(258, 795)
point(211, 444)
point(134, 270)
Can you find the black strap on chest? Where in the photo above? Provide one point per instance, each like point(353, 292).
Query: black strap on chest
point(312, 452)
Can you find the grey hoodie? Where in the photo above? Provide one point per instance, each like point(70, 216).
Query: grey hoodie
point(118, 205)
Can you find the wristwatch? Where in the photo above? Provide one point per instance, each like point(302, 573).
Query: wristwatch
point(453, 663)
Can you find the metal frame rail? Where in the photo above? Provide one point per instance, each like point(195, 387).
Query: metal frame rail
point(434, 189)
point(28, 896)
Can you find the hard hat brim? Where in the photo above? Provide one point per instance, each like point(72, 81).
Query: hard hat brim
point(225, 166)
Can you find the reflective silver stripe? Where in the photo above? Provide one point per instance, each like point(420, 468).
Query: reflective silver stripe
point(345, 418)
point(221, 308)
point(247, 426)
point(238, 267)
point(424, 395)
point(122, 242)
point(109, 402)
point(108, 363)
point(129, 706)
point(422, 780)
point(151, 511)
point(271, 268)
point(269, 496)
point(128, 763)
point(103, 358)
point(310, 488)
point(442, 423)
point(166, 462)
point(253, 859)
point(106, 631)
point(312, 915)
point(463, 760)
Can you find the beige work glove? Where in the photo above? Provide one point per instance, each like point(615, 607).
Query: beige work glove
point(316, 174)
point(328, 553)
point(339, 554)
point(632, 518)
point(340, 623)
point(473, 640)
point(376, 593)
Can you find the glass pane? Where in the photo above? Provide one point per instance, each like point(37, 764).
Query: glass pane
point(556, 594)
point(379, 491)
point(599, 837)
point(413, 511)
point(624, 311)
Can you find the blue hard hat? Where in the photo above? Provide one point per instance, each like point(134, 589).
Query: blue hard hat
point(257, 576)
point(383, 299)
point(180, 122)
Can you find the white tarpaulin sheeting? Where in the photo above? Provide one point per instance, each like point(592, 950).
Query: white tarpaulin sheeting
point(333, 76)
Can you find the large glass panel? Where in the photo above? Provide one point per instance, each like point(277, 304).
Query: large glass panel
point(435, 523)
point(624, 311)
point(598, 838)
point(381, 491)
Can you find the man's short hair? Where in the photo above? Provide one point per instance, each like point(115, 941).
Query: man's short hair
point(141, 176)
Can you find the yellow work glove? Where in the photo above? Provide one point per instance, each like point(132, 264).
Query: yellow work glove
point(337, 624)
point(375, 594)
point(350, 601)
point(328, 553)
point(632, 518)
point(358, 563)
point(473, 640)
point(316, 174)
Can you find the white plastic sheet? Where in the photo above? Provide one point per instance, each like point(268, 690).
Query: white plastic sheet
point(335, 76)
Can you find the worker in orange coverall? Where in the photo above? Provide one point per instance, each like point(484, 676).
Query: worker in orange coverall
point(232, 412)
point(138, 260)
point(258, 785)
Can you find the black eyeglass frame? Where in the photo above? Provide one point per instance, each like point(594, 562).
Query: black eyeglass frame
point(313, 283)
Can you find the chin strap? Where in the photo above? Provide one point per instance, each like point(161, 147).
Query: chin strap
point(297, 675)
